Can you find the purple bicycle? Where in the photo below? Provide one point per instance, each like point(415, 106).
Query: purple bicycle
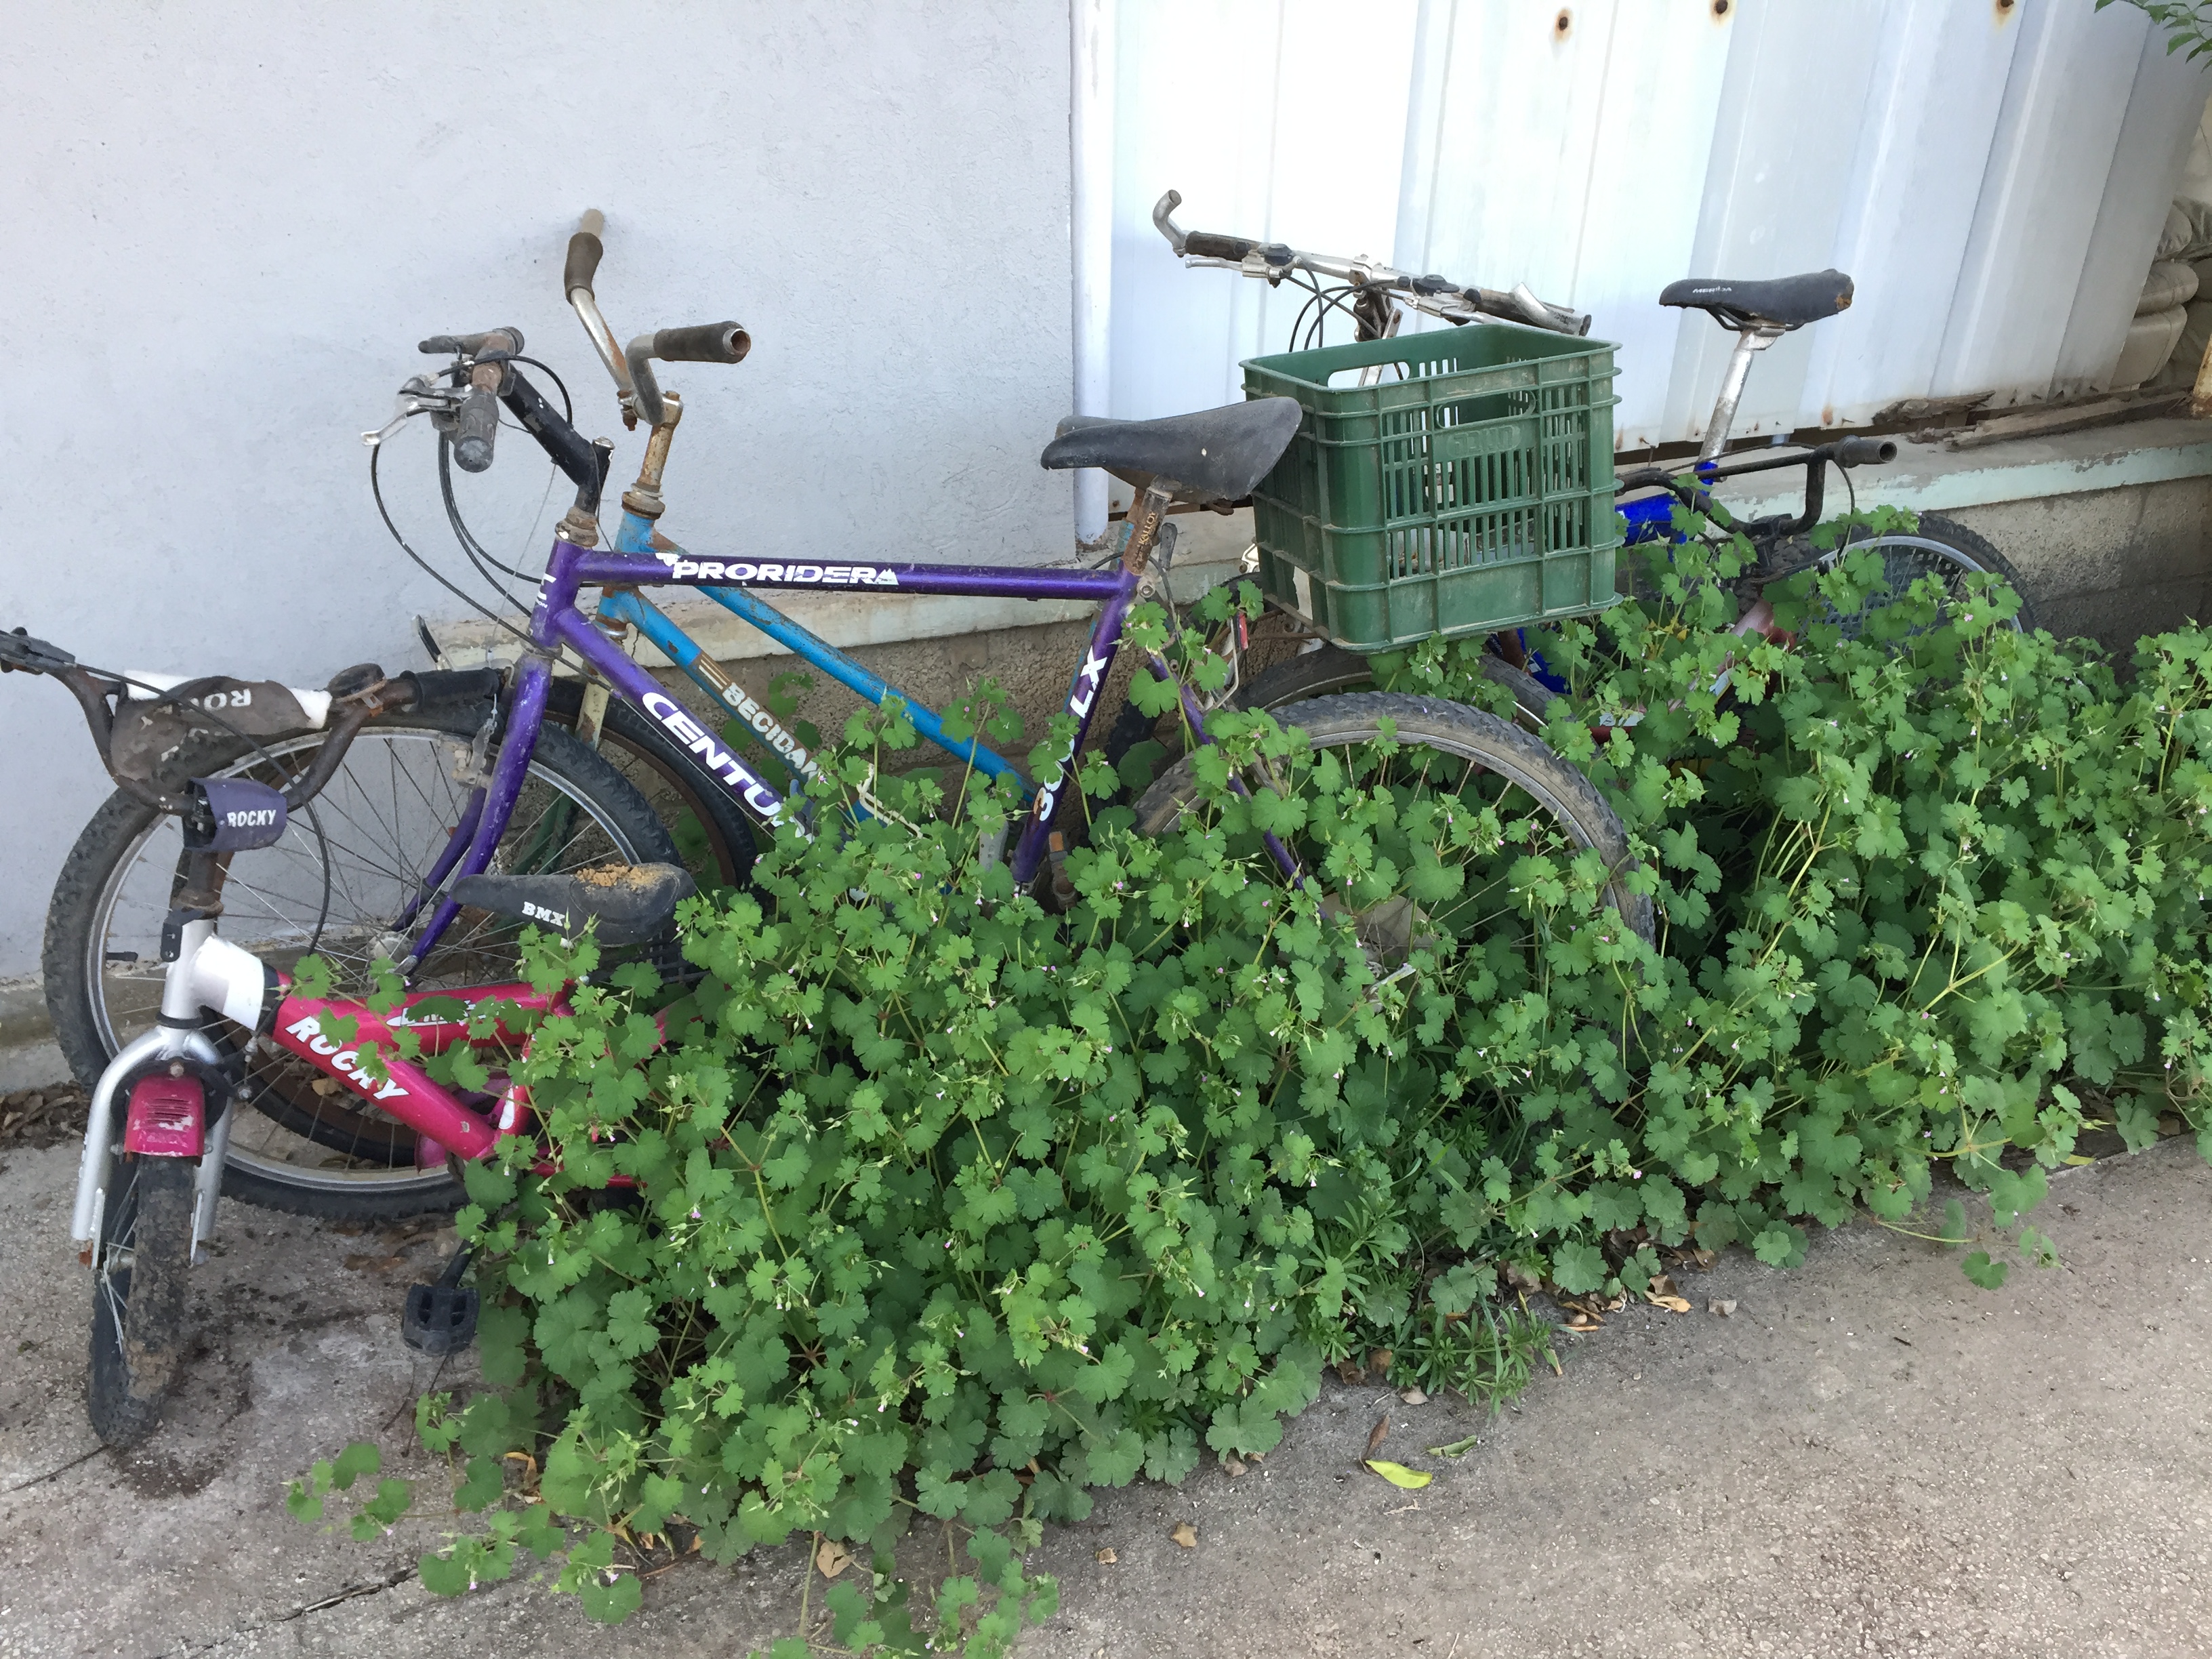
point(407, 787)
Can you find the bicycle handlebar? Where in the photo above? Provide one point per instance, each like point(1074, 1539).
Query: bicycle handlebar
point(1693, 487)
point(1865, 452)
point(508, 340)
point(1207, 245)
point(631, 368)
point(584, 251)
point(1437, 295)
point(476, 429)
point(703, 342)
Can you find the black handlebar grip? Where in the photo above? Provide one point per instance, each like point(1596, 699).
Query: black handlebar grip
point(584, 251)
point(467, 345)
point(474, 430)
point(1865, 452)
point(1209, 246)
point(706, 342)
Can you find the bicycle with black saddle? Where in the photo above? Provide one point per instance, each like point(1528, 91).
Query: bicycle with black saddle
point(1376, 300)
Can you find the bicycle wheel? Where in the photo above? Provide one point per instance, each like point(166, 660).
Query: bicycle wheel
point(714, 839)
point(1941, 547)
point(1322, 673)
point(1544, 806)
point(138, 1266)
point(1332, 670)
point(310, 1146)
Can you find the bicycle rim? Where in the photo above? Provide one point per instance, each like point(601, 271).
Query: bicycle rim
point(1904, 560)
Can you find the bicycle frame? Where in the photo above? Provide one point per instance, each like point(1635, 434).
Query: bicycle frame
point(558, 622)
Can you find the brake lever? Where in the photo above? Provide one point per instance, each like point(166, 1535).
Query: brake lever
point(417, 397)
point(19, 653)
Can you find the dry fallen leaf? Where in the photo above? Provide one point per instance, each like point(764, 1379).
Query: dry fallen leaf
point(1520, 1277)
point(1399, 1475)
point(1231, 1467)
point(1185, 1535)
point(1351, 1370)
point(1579, 1320)
point(1380, 1359)
point(830, 1558)
point(1661, 1285)
point(1617, 1303)
point(1724, 1309)
point(1107, 1558)
point(1705, 1259)
point(1415, 1397)
point(1376, 1434)
point(1672, 1303)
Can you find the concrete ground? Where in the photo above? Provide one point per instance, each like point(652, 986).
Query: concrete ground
point(1870, 1455)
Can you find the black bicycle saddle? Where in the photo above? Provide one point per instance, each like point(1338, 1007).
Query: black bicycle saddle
point(1783, 302)
point(1214, 455)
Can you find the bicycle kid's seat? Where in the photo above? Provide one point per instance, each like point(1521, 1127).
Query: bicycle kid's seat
point(1214, 455)
point(1782, 304)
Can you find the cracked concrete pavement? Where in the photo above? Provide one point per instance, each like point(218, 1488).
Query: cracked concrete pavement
point(1870, 1455)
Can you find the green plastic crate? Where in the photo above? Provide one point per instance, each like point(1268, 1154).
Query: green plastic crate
point(1468, 489)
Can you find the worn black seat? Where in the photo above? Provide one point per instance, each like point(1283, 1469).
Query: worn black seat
point(1214, 455)
point(1784, 302)
point(631, 902)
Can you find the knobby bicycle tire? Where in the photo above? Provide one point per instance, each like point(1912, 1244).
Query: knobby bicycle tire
point(1333, 669)
point(1325, 673)
point(140, 1260)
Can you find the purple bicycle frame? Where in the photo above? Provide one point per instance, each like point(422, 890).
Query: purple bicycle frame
point(557, 622)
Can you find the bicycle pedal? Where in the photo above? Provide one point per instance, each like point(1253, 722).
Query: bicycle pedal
point(439, 1319)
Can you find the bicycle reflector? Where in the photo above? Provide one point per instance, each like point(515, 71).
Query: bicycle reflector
point(245, 814)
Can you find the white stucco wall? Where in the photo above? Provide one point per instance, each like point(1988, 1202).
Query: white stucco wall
point(227, 224)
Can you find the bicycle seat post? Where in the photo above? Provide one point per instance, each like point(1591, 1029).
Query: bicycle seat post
point(1146, 518)
point(1748, 340)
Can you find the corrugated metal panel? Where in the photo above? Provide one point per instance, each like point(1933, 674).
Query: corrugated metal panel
point(1274, 119)
point(1993, 177)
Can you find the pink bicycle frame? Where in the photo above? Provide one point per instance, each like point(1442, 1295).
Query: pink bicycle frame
point(406, 1090)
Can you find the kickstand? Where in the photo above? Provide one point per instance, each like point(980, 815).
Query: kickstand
point(441, 1318)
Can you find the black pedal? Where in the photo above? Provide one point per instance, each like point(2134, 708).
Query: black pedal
point(441, 1318)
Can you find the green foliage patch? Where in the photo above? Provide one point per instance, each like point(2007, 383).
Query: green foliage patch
point(924, 1206)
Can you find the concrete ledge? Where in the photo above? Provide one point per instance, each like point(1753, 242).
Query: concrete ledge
point(1929, 478)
